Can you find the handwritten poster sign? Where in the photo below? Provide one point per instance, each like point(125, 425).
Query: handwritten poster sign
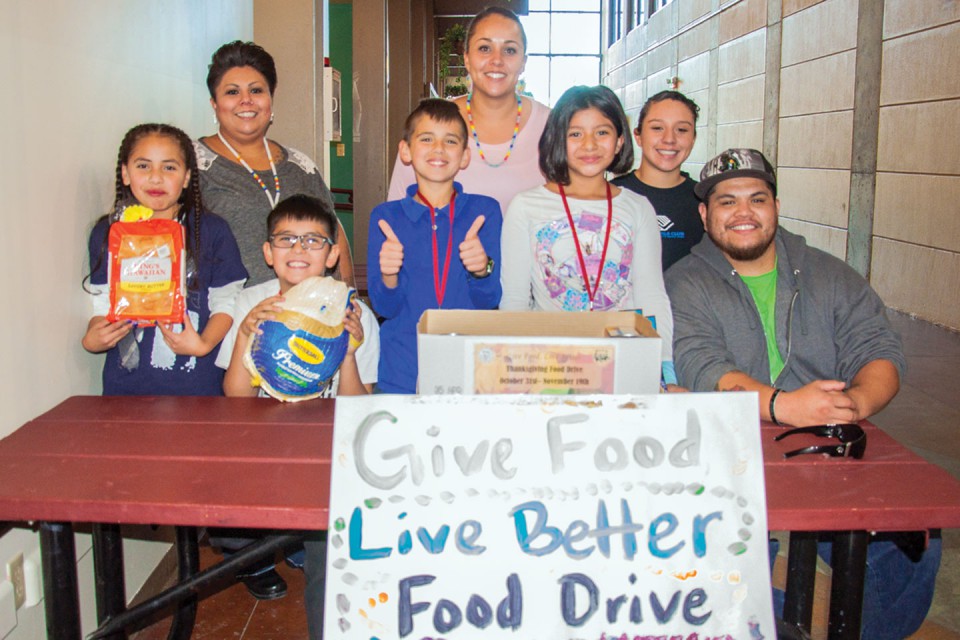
point(601, 518)
point(533, 368)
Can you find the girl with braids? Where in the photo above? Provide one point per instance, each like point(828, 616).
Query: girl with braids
point(156, 168)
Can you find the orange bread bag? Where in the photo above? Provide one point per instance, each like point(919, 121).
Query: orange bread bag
point(146, 271)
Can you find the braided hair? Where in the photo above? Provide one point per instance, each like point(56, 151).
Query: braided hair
point(191, 203)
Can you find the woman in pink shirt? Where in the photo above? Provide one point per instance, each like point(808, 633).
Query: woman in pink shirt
point(504, 126)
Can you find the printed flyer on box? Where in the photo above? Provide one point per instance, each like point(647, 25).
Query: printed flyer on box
point(600, 518)
point(535, 369)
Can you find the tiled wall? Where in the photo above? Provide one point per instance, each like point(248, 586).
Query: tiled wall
point(785, 76)
point(817, 79)
point(916, 256)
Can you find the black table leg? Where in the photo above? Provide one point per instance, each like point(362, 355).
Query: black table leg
point(188, 564)
point(801, 576)
point(849, 561)
point(61, 596)
point(108, 573)
point(190, 588)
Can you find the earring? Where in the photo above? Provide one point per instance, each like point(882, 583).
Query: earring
point(271, 117)
point(215, 121)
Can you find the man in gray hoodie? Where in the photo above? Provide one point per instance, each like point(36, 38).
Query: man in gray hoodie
point(757, 309)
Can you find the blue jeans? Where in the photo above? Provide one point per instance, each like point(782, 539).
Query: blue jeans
point(898, 588)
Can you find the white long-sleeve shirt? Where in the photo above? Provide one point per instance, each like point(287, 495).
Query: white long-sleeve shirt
point(541, 270)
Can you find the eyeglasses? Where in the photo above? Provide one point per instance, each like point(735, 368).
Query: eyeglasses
point(309, 242)
point(853, 441)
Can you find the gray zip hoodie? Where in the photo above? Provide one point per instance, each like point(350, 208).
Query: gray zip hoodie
point(830, 322)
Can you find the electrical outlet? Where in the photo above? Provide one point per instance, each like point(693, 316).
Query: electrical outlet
point(15, 574)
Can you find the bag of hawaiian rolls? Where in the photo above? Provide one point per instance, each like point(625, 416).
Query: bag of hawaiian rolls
point(146, 271)
point(299, 352)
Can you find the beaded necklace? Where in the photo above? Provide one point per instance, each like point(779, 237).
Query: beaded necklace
point(476, 140)
point(275, 198)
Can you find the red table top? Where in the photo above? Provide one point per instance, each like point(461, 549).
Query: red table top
point(245, 462)
point(252, 462)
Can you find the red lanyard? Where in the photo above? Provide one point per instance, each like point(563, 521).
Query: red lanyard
point(439, 286)
point(592, 293)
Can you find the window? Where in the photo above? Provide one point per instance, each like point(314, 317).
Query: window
point(624, 16)
point(563, 46)
point(638, 13)
point(614, 16)
point(656, 5)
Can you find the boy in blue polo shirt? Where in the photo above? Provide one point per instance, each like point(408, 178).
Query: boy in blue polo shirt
point(437, 248)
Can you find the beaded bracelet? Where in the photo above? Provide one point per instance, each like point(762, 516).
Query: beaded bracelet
point(773, 404)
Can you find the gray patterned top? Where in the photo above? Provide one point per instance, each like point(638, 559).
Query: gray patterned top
point(230, 191)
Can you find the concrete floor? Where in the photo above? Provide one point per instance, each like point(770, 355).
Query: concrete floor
point(925, 416)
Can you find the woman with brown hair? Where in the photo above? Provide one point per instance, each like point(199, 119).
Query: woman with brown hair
point(504, 126)
point(243, 174)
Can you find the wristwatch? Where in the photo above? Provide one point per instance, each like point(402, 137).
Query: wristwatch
point(487, 271)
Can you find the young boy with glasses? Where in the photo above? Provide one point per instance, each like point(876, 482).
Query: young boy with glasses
point(302, 242)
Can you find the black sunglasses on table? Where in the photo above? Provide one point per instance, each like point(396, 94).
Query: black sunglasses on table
point(852, 440)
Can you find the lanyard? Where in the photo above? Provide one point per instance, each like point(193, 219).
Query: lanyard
point(439, 286)
point(275, 198)
point(592, 293)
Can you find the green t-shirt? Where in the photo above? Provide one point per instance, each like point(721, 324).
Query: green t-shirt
point(763, 288)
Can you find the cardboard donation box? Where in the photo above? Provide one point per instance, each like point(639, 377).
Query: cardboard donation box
point(537, 352)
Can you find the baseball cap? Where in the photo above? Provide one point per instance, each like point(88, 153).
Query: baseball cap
point(735, 163)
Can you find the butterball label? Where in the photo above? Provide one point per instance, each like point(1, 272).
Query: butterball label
point(306, 351)
point(295, 363)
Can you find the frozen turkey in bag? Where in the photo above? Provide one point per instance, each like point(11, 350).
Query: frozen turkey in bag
point(298, 353)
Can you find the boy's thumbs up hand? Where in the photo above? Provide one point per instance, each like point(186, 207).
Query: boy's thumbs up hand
point(391, 254)
point(472, 234)
point(472, 254)
point(387, 230)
